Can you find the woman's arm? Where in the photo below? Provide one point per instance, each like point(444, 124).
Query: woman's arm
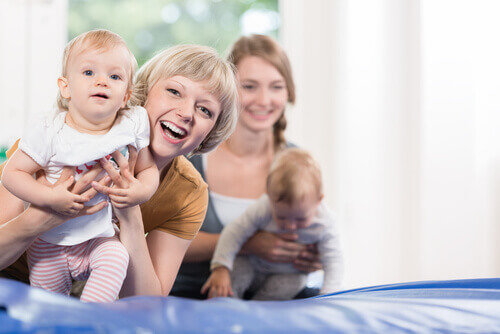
point(283, 248)
point(147, 173)
point(154, 261)
point(266, 245)
point(202, 247)
point(18, 229)
point(141, 277)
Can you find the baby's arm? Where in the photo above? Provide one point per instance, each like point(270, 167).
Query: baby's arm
point(218, 283)
point(136, 190)
point(232, 238)
point(333, 262)
point(18, 178)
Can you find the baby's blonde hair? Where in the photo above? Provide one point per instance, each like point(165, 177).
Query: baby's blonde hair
point(294, 175)
point(197, 63)
point(98, 39)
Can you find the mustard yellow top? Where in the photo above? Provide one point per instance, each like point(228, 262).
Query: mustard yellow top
point(178, 207)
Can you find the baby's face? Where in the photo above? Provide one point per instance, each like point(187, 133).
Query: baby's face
point(97, 83)
point(290, 217)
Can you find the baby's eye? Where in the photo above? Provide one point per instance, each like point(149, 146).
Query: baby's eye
point(88, 73)
point(206, 111)
point(115, 77)
point(173, 91)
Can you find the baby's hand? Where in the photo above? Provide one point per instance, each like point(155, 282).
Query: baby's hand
point(63, 201)
point(132, 192)
point(218, 284)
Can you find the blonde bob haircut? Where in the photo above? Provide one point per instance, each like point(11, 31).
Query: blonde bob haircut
point(200, 64)
point(98, 39)
point(294, 175)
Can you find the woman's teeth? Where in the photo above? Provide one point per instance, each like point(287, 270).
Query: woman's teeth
point(172, 130)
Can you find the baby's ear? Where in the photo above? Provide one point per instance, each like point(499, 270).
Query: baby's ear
point(63, 85)
point(127, 96)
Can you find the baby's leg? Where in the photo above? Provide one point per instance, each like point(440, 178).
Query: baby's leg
point(48, 267)
point(241, 276)
point(281, 287)
point(106, 259)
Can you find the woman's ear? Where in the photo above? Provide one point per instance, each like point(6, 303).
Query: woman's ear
point(63, 85)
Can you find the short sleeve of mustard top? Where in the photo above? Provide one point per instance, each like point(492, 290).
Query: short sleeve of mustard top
point(179, 205)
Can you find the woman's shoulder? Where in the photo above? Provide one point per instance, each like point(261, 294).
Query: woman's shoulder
point(184, 170)
point(187, 196)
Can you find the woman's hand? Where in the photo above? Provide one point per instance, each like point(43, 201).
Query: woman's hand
point(79, 189)
point(283, 248)
point(308, 259)
point(126, 191)
point(273, 247)
point(218, 284)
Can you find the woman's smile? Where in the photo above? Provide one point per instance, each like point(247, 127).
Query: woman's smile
point(182, 112)
point(173, 132)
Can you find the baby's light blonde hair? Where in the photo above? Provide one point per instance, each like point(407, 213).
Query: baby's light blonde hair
point(200, 64)
point(98, 39)
point(294, 175)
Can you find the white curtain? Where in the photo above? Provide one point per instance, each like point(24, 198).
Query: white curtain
point(32, 37)
point(399, 100)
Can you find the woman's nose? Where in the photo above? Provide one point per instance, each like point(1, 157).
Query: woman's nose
point(185, 112)
point(263, 97)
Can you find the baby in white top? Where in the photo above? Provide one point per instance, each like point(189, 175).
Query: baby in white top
point(92, 121)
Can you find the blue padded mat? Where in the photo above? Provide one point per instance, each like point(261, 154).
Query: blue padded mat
point(459, 306)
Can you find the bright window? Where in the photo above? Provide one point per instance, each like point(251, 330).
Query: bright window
point(151, 25)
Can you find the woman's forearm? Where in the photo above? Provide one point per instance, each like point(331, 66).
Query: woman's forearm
point(17, 234)
point(141, 276)
point(202, 247)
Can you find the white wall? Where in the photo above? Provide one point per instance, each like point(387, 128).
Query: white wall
point(32, 37)
point(399, 101)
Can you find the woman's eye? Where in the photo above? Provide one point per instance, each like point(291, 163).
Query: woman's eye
point(248, 87)
point(278, 87)
point(115, 77)
point(88, 72)
point(173, 91)
point(206, 111)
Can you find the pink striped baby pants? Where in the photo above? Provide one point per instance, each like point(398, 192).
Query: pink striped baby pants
point(103, 261)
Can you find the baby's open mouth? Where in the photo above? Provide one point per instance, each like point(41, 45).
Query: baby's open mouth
point(102, 96)
point(173, 131)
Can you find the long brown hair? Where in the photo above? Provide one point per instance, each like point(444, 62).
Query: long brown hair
point(268, 49)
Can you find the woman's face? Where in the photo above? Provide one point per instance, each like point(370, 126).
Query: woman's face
point(263, 93)
point(181, 114)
